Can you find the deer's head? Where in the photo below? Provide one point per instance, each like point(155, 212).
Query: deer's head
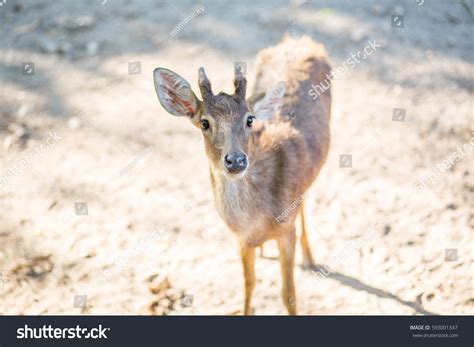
point(225, 120)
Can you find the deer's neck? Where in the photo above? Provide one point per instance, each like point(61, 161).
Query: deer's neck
point(233, 197)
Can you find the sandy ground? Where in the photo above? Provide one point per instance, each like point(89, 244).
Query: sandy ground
point(82, 135)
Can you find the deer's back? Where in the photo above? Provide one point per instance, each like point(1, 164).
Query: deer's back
point(298, 137)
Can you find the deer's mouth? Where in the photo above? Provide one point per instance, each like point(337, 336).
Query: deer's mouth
point(235, 175)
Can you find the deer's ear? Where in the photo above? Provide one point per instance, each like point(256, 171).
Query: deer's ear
point(175, 93)
point(266, 107)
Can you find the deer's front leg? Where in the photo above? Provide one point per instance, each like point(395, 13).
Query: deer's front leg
point(247, 254)
point(286, 246)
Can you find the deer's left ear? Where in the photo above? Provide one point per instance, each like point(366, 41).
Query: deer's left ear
point(175, 94)
point(266, 107)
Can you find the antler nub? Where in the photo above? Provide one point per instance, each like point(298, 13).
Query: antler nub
point(240, 83)
point(204, 85)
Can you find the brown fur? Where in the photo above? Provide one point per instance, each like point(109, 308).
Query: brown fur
point(285, 153)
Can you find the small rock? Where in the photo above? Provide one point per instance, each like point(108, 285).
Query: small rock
point(453, 18)
point(165, 303)
point(157, 286)
point(92, 48)
point(359, 35)
point(22, 111)
point(17, 8)
point(155, 309)
point(48, 46)
point(452, 206)
point(19, 136)
point(36, 267)
point(52, 205)
point(64, 47)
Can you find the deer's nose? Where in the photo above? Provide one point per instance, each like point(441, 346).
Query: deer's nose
point(235, 162)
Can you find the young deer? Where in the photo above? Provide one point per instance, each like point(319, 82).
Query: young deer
point(264, 151)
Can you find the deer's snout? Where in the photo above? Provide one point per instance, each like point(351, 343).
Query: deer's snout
point(235, 162)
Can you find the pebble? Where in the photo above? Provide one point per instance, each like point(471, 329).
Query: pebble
point(48, 46)
point(359, 35)
point(453, 18)
point(64, 47)
point(22, 111)
point(92, 48)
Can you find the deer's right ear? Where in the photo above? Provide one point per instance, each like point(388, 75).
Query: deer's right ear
point(175, 94)
point(266, 107)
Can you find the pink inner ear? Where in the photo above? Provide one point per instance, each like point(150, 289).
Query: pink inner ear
point(178, 102)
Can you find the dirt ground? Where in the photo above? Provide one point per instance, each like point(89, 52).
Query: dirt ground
point(105, 199)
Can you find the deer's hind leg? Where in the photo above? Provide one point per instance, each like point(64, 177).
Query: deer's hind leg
point(308, 261)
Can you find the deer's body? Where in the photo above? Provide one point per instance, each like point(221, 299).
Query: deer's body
point(287, 152)
point(259, 175)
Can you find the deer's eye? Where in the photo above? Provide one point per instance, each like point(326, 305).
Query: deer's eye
point(204, 124)
point(250, 120)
